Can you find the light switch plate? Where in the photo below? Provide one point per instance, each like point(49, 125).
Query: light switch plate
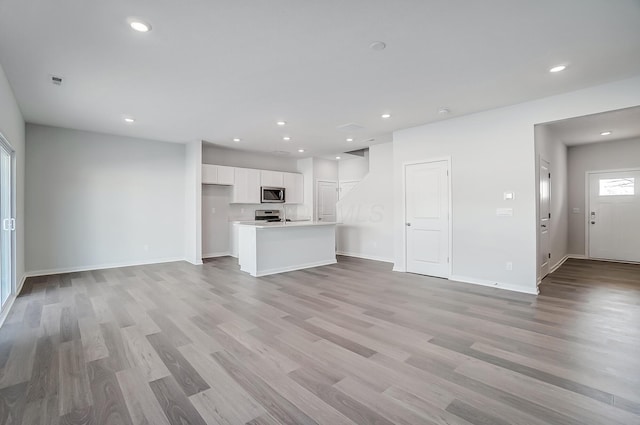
point(576, 210)
point(509, 196)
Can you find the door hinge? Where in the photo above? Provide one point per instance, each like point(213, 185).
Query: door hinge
point(549, 175)
point(549, 255)
point(447, 259)
point(447, 172)
point(549, 215)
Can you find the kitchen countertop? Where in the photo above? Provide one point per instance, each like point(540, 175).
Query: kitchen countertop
point(263, 225)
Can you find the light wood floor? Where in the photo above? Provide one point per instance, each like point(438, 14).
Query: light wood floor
point(350, 343)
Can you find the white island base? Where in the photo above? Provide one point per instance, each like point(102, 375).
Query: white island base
point(271, 248)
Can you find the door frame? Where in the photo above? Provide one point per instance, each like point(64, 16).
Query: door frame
point(538, 219)
point(446, 159)
point(587, 204)
point(14, 284)
point(317, 195)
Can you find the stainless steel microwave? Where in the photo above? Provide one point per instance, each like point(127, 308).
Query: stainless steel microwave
point(270, 195)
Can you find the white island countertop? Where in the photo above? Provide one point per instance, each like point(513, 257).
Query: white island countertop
point(280, 224)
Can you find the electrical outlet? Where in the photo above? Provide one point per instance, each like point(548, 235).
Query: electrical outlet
point(508, 265)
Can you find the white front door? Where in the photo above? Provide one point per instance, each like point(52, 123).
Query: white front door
point(427, 218)
point(614, 216)
point(327, 198)
point(544, 252)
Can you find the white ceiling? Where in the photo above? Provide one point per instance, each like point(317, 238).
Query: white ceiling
point(622, 123)
point(215, 70)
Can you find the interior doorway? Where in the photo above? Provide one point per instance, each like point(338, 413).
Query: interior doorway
point(427, 218)
point(327, 197)
point(544, 250)
point(613, 222)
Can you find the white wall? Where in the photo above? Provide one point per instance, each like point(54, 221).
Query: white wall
point(193, 202)
point(550, 148)
point(217, 155)
point(96, 200)
point(12, 128)
point(215, 220)
point(593, 157)
point(493, 152)
point(366, 212)
point(353, 168)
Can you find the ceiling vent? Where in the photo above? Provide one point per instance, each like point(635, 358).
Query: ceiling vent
point(56, 80)
point(351, 127)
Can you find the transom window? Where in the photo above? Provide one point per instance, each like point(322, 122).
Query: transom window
point(617, 187)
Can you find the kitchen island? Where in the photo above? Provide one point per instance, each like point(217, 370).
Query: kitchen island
point(270, 248)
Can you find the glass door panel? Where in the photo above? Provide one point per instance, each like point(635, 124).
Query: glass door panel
point(7, 225)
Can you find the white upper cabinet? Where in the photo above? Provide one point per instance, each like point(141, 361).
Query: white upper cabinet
point(217, 174)
point(271, 178)
point(294, 188)
point(246, 186)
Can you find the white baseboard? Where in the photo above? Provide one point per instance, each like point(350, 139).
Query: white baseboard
point(102, 266)
point(364, 257)
point(499, 285)
point(291, 268)
point(7, 307)
point(559, 263)
point(217, 254)
point(578, 256)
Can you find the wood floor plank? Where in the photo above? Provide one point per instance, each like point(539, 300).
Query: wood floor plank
point(232, 404)
point(12, 404)
point(74, 391)
point(279, 407)
point(352, 342)
point(177, 408)
point(142, 354)
point(183, 372)
point(109, 406)
point(142, 405)
point(44, 377)
point(92, 339)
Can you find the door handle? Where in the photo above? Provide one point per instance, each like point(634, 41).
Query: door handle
point(5, 224)
point(408, 224)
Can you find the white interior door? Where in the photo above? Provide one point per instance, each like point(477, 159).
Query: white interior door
point(8, 225)
point(544, 251)
point(614, 216)
point(427, 218)
point(327, 198)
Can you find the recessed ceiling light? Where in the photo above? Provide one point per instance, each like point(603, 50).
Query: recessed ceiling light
point(558, 68)
point(129, 120)
point(337, 157)
point(286, 138)
point(140, 26)
point(606, 133)
point(281, 123)
point(378, 46)
point(386, 115)
point(236, 140)
point(349, 139)
point(300, 150)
